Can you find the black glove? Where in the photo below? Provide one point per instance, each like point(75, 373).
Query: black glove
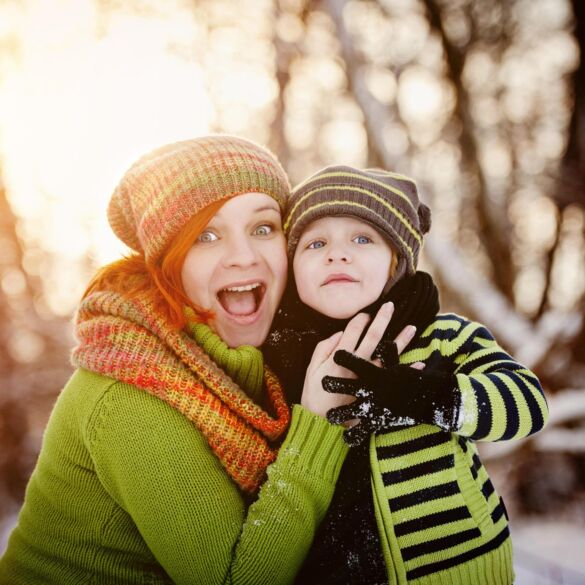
point(416, 302)
point(392, 396)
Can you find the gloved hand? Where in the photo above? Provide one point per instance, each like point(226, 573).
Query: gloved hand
point(392, 396)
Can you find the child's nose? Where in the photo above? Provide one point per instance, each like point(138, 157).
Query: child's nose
point(338, 254)
point(340, 258)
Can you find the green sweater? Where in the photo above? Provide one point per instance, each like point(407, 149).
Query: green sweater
point(126, 490)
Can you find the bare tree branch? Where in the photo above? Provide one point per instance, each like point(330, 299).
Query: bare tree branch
point(474, 293)
point(493, 230)
point(283, 58)
point(533, 345)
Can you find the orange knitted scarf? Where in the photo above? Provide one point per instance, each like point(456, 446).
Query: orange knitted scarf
point(124, 339)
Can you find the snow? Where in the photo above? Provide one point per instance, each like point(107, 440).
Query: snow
point(547, 552)
point(365, 408)
point(5, 529)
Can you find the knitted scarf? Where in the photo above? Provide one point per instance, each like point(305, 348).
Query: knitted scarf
point(297, 328)
point(244, 365)
point(125, 339)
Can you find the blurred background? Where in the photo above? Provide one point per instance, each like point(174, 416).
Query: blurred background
point(480, 100)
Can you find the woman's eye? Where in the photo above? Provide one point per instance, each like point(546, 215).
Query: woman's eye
point(316, 244)
point(207, 237)
point(362, 240)
point(263, 230)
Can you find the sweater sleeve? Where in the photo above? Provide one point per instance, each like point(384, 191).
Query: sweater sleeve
point(159, 469)
point(500, 398)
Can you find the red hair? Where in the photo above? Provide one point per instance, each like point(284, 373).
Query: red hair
point(393, 263)
point(161, 283)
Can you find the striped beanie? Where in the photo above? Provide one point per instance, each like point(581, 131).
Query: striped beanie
point(164, 189)
point(387, 201)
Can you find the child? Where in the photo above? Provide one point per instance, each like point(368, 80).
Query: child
point(415, 505)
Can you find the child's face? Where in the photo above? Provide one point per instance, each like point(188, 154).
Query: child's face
point(341, 265)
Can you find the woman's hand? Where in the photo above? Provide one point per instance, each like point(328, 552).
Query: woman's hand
point(314, 398)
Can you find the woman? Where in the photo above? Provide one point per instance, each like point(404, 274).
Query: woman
point(154, 454)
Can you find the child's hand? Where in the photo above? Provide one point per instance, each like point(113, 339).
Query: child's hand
point(393, 396)
point(314, 398)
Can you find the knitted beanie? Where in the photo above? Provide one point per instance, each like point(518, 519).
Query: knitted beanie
point(387, 201)
point(164, 189)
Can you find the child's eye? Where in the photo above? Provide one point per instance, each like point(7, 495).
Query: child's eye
point(316, 244)
point(264, 230)
point(206, 237)
point(363, 240)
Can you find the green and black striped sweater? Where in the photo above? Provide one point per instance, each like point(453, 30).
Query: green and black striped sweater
point(439, 516)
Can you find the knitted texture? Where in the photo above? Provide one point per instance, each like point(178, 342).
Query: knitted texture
point(126, 340)
point(440, 517)
point(347, 549)
point(244, 364)
point(388, 201)
point(126, 490)
point(297, 328)
point(432, 490)
point(446, 520)
point(392, 396)
point(164, 189)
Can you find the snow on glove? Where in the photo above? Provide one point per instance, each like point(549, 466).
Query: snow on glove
point(392, 396)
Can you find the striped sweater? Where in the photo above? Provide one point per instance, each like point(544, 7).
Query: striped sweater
point(439, 516)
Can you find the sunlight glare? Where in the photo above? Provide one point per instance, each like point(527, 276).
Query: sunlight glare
point(79, 108)
point(419, 95)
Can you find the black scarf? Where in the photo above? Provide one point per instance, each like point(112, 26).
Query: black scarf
point(297, 328)
point(347, 547)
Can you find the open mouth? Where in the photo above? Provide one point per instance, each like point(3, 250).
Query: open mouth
point(243, 300)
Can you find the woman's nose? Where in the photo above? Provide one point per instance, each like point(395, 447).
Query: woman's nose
point(241, 252)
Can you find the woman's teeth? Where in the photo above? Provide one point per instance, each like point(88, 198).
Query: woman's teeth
point(242, 288)
point(241, 300)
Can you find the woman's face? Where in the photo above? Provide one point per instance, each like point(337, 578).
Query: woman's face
point(237, 268)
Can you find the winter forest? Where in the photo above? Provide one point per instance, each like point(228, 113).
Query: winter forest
point(481, 101)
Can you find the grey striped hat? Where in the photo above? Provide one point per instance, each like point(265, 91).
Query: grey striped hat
point(387, 201)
